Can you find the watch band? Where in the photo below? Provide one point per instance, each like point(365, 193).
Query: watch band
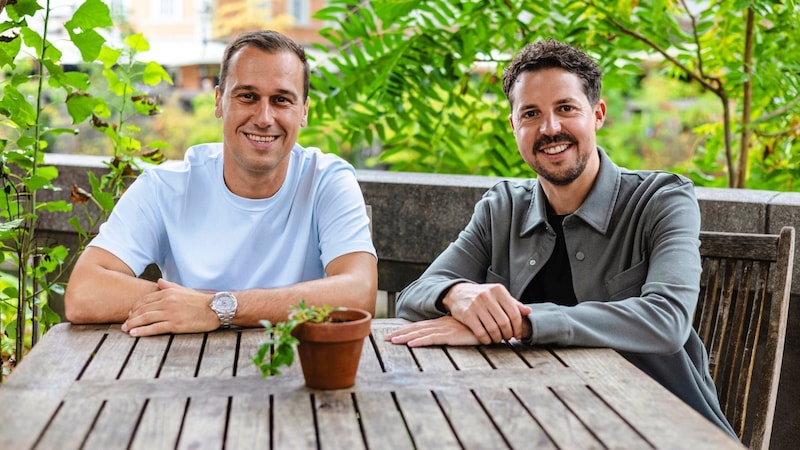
point(225, 319)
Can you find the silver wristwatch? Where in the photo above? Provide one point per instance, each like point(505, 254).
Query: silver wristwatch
point(224, 304)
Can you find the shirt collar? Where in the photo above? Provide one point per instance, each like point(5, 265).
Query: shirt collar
point(596, 210)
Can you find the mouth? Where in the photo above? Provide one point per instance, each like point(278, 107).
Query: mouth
point(555, 149)
point(260, 139)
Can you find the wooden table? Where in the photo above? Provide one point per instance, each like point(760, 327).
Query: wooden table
point(96, 387)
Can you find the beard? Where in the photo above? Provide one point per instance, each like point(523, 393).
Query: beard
point(561, 175)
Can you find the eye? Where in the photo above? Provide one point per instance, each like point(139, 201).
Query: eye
point(567, 108)
point(530, 114)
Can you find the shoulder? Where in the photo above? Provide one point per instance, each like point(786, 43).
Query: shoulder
point(654, 181)
point(511, 190)
point(199, 162)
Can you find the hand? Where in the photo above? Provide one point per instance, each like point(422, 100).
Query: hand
point(171, 309)
point(443, 330)
point(488, 310)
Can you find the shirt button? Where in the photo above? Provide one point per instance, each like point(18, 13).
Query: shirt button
point(580, 256)
point(532, 262)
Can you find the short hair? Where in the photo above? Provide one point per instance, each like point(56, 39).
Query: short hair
point(269, 41)
point(548, 54)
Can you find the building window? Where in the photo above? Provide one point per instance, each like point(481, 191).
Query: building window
point(300, 10)
point(168, 9)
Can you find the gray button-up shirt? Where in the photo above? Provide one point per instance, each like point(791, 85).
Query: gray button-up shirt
point(633, 249)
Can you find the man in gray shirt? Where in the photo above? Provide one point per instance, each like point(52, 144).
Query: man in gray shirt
point(587, 254)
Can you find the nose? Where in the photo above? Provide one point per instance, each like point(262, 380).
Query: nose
point(263, 115)
point(550, 125)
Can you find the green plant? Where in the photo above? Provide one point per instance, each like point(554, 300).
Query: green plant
point(280, 340)
point(35, 82)
point(433, 101)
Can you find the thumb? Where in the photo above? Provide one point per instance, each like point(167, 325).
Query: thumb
point(164, 284)
point(524, 309)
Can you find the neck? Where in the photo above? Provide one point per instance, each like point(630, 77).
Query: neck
point(567, 198)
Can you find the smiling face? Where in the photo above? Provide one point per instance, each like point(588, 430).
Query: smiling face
point(263, 107)
point(555, 126)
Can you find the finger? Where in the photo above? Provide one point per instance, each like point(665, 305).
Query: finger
point(164, 284)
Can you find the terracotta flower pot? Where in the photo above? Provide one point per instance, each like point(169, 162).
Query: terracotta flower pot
point(330, 351)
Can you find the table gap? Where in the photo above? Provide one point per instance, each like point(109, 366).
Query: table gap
point(377, 352)
point(47, 426)
point(489, 360)
point(635, 430)
point(450, 357)
point(164, 356)
point(578, 416)
point(447, 418)
point(358, 418)
point(200, 356)
point(530, 413)
point(236, 353)
point(127, 357)
point(403, 416)
point(138, 419)
point(183, 418)
point(519, 354)
point(94, 421)
point(91, 357)
point(558, 358)
point(491, 419)
point(316, 421)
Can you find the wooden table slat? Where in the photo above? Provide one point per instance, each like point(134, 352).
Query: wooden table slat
point(248, 426)
point(218, 360)
point(466, 415)
point(337, 420)
point(557, 420)
point(517, 425)
point(145, 360)
point(204, 423)
point(183, 357)
point(120, 417)
point(293, 421)
point(425, 420)
point(160, 424)
point(201, 391)
point(382, 421)
point(111, 357)
point(71, 424)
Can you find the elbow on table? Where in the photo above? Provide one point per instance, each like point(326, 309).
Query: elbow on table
point(76, 309)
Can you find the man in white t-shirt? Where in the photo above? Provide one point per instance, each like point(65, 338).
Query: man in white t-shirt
point(240, 230)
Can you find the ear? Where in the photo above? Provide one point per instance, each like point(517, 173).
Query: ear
point(217, 103)
point(599, 114)
point(511, 121)
point(304, 121)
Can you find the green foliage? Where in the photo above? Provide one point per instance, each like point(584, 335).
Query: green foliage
point(34, 84)
point(280, 340)
point(417, 83)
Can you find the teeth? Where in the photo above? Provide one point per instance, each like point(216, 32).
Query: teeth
point(556, 149)
point(261, 138)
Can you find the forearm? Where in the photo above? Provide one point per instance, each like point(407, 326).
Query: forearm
point(351, 282)
point(274, 304)
point(99, 295)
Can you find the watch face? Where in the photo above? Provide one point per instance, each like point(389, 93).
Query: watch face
point(224, 302)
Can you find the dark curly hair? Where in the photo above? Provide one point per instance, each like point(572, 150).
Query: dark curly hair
point(547, 54)
point(270, 42)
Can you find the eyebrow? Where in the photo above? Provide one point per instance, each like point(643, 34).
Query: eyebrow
point(250, 88)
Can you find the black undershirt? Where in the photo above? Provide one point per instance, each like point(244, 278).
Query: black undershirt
point(554, 282)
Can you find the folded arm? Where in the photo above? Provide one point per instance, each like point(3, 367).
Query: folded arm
point(102, 289)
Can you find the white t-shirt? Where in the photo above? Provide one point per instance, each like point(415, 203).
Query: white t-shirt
point(183, 218)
